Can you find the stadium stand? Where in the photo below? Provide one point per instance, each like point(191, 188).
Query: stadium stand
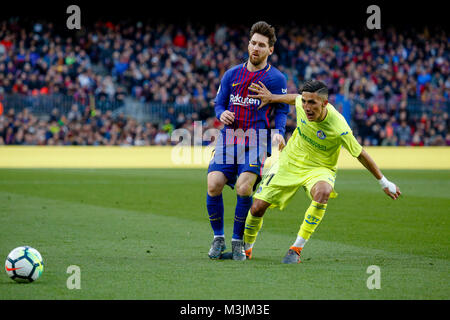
point(134, 83)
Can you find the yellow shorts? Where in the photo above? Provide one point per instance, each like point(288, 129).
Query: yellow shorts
point(282, 180)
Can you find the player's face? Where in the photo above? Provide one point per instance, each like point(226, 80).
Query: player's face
point(314, 106)
point(258, 49)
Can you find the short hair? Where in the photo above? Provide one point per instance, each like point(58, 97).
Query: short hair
point(315, 86)
point(265, 29)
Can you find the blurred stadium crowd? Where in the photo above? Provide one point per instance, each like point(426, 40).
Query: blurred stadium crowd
point(392, 87)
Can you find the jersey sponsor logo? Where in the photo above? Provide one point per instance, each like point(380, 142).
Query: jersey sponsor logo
point(344, 133)
point(241, 101)
point(311, 141)
point(321, 135)
point(235, 84)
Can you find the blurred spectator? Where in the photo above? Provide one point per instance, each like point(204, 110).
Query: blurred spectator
point(403, 133)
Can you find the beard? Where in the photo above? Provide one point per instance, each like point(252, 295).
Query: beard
point(256, 61)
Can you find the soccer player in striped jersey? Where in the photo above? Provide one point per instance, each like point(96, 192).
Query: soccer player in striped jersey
point(245, 140)
point(309, 161)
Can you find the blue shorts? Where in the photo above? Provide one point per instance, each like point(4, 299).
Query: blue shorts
point(232, 160)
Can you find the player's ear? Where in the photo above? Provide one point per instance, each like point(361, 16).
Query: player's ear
point(271, 50)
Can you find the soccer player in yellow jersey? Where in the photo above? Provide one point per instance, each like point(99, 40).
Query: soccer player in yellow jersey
point(309, 160)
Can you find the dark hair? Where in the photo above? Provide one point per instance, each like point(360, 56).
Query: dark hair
point(265, 29)
point(315, 86)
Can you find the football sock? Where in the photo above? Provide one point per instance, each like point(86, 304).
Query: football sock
point(242, 207)
point(300, 242)
point(248, 245)
point(313, 216)
point(252, 226)
point(215, 212)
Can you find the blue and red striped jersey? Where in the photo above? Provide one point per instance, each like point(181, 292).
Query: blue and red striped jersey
point(233, 96)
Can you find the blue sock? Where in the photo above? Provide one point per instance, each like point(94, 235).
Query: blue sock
point(215, 212)
point(242, 207)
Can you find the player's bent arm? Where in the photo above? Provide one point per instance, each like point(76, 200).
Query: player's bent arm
point(266, 96)
point(388, 187)
point(284, 98)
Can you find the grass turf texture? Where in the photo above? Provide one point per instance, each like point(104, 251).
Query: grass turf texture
point(145, 234)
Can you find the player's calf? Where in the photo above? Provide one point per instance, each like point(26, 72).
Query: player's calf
point(259, 207)
point(253, 224)
point(313, 217)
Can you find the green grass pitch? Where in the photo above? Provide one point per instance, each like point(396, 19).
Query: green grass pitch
point(145, 234)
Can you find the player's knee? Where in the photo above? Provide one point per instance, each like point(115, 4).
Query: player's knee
point(214, 188)
point(322, 193)
point(244, 189)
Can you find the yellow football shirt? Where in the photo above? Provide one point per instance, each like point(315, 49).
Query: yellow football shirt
point(318, 144)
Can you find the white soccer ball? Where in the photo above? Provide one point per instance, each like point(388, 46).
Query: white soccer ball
point(24, 264)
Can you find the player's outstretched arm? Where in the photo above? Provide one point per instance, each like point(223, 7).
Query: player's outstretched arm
point(388, 187)
point(263, 94)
